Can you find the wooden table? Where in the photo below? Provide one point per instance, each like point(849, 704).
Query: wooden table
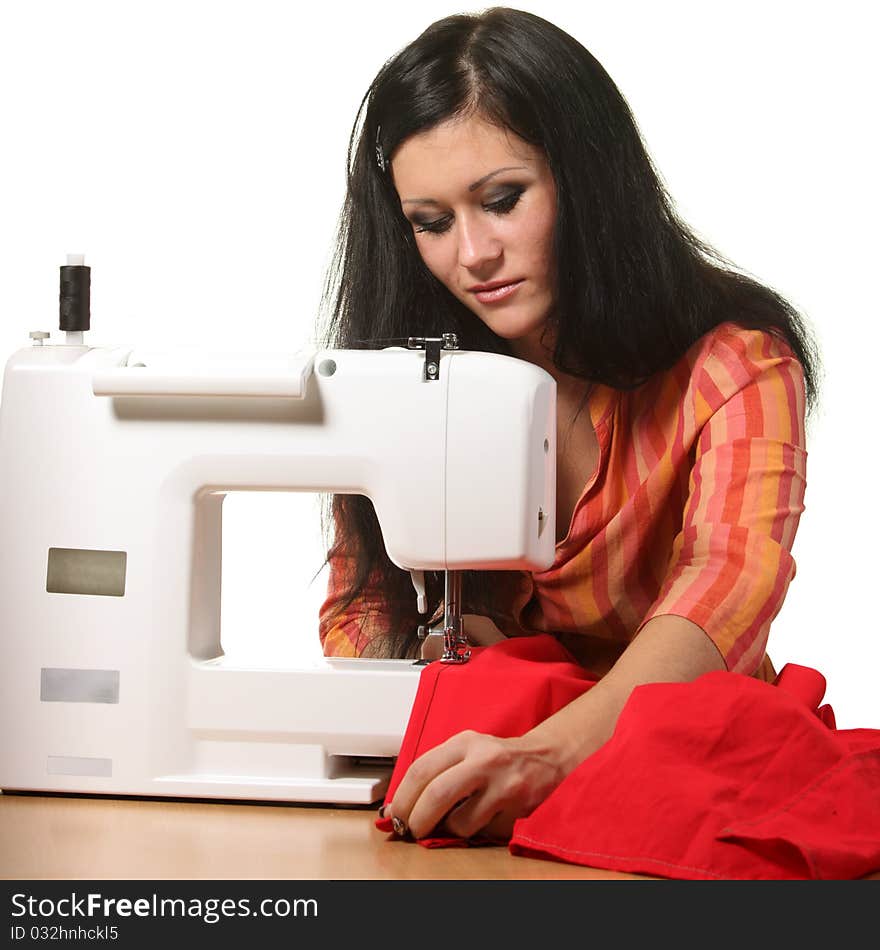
point(84, 838)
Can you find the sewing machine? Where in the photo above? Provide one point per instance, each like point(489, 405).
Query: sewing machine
point(114, 464)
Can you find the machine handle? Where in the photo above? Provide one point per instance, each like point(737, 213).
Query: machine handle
point(138, 379)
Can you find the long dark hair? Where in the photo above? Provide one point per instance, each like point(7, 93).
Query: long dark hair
point(635, 286)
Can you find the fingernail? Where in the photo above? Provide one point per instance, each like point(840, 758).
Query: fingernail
point(381, 811)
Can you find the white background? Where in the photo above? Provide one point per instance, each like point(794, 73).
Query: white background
point(195, 152)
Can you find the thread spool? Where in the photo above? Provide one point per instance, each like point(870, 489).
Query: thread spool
point(74, 297)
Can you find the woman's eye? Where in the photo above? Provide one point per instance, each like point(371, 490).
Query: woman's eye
point(432, 227)
point(506, 204)
point(502, 206)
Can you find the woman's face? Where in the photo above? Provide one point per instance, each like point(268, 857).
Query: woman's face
point(482, 204)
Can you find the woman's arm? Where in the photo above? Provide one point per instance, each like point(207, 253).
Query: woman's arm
point(500, 780)
point(669, 649)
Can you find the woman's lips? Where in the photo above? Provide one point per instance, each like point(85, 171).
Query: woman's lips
point(497, 293)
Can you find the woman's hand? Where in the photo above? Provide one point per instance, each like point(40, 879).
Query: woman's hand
point(474, 783)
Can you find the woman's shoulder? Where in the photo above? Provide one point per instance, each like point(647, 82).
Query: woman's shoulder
point(746, 382)
point(723, 362)
point(731, 356)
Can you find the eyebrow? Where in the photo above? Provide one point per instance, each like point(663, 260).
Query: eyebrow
point(473, 187)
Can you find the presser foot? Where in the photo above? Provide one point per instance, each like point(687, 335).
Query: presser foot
point(455, 648)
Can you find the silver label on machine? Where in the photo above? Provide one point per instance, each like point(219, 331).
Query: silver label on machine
point(76, 765)
point(79, 686)
point(77, 571)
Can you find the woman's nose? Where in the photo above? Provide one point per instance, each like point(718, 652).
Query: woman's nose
point(477, 243)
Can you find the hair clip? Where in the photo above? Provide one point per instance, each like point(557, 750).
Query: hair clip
point(380, 157)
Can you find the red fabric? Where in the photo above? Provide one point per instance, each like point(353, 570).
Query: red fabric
point(725, 777)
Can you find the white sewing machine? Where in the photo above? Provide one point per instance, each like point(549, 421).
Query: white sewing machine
point(114, 464)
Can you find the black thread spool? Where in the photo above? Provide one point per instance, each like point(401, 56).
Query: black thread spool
point(74, 298)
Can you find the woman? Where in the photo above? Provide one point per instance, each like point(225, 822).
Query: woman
point(498, 187)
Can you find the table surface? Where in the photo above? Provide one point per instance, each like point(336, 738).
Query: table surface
point(94, 838)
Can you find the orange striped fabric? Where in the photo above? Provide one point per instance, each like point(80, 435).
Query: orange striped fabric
point(692, 511)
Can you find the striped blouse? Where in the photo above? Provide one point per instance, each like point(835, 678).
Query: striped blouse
point(692, 511)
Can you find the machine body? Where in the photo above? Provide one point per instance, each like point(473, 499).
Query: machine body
point(114, 464)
